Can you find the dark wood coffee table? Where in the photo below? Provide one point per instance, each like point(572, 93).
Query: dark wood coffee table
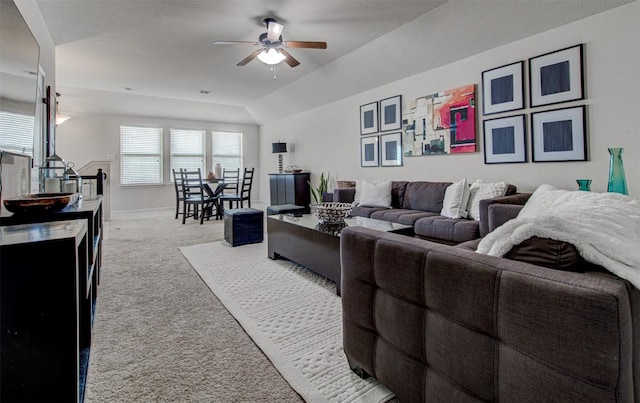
point(317, 246)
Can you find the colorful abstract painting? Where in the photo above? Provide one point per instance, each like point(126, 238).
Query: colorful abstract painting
point(441, 123)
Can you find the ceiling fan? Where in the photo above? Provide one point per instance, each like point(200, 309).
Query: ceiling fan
point(272, 48)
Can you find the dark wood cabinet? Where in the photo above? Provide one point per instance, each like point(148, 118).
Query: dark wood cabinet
point(49, 275)
point(290, 188)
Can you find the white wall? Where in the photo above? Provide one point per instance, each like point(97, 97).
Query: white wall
point(83, 139)
point(327, 138)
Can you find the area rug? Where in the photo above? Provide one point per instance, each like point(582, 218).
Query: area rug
point(293, 315)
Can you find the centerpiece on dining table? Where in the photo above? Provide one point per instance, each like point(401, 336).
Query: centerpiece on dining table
point(328, 212)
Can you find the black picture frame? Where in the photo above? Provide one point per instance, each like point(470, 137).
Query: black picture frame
point(559, 135)
point(557, 77)
point(505, 140)
point(391, 149)
point(369, 118)
point(369, 151)
point(503, 89)
point(391, 113)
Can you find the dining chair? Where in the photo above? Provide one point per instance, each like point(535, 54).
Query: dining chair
point(232, 178)
point(196, 197)
point(243, 193)
point(177, 184)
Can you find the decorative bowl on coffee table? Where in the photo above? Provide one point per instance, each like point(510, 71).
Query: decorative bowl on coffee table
point(331, 212)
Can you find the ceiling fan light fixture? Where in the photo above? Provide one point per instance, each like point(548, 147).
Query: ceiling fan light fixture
point(271, 56)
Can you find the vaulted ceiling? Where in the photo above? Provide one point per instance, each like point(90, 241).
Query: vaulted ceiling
point(157, 57)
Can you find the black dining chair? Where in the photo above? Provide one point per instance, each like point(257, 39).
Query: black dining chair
point(243, 193)
point(177, 184)
point(232, 178)
point(197, 203)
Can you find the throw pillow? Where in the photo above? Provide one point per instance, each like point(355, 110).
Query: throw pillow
point(483, 190)
point(376, 194)
point(548, 253)
point(456, 198)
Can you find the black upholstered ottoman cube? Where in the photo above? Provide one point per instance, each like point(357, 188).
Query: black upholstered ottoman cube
point(284, 209)
point(243, 226)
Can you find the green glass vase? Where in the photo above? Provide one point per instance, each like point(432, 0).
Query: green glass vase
point(617, 182)
point(584, 184)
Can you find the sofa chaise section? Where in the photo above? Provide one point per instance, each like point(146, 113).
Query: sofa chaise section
point(441, 323)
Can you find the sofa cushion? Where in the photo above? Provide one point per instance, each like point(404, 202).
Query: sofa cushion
point(425, 196)
point(447, 229)
point(376, 194)
point(548, 253)
point(364, 211)
point(401, 216)
point(455, 200)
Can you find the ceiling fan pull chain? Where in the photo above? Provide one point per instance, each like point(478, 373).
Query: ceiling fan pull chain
point(273, 70)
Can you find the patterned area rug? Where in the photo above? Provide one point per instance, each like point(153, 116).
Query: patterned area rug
point(293, 315)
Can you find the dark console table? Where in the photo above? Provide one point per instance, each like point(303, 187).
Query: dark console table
point(49, 277)
point(47, 307)
point(290, 188)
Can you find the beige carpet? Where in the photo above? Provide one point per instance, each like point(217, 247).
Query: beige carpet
point(294, 316)
point(160, 335)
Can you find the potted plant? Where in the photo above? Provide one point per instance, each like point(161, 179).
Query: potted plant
point(321, 189)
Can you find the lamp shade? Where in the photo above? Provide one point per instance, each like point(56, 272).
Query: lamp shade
point(278, 148)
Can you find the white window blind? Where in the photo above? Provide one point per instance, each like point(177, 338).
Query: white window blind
point(16, 132)
point(140, 155)
point(227, 150)
point(187, 150)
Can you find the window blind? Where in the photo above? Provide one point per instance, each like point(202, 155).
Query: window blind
point(227, 149)
point(140, 155)
point(187, 150)
point(16, 132)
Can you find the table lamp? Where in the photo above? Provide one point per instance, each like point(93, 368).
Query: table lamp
point(279, 148)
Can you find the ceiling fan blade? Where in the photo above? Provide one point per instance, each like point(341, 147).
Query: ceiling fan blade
point(308, 45)
point(235, 43)
point(290, 60)
point(249, 58)
point(274, 30)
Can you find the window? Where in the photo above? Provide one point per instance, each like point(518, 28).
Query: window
point(16, 132)
point(187, 149)
point(227, 150)
point(140, 155)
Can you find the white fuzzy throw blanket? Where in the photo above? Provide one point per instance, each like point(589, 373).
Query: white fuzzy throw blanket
point(604, 227)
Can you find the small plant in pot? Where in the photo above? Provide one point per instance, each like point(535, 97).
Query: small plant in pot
point(327, 212)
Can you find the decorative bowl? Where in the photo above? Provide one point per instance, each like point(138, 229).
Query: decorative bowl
point(331, 212)
point(39, 203)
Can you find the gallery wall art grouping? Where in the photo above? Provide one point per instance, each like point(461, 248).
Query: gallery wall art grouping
point(556, 134)
point(444, 122)
point(384, 149)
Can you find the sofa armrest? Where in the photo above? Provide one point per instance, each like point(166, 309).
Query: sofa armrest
point(501, 213)
point(518, 198)
point(344, 195)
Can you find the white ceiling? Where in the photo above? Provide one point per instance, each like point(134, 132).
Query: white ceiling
point(163, 49)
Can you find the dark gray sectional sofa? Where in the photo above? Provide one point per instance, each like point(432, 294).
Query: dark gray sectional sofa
point(419, 204)
point(440, 323)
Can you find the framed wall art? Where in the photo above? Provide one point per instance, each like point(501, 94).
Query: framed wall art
point(369, 118)
point(369, 151)
point(391, 149)
point(559, 135)
point(391, 114)
point(556, 77)
point(503, 88)
point(440, 123)
point(505, 140)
